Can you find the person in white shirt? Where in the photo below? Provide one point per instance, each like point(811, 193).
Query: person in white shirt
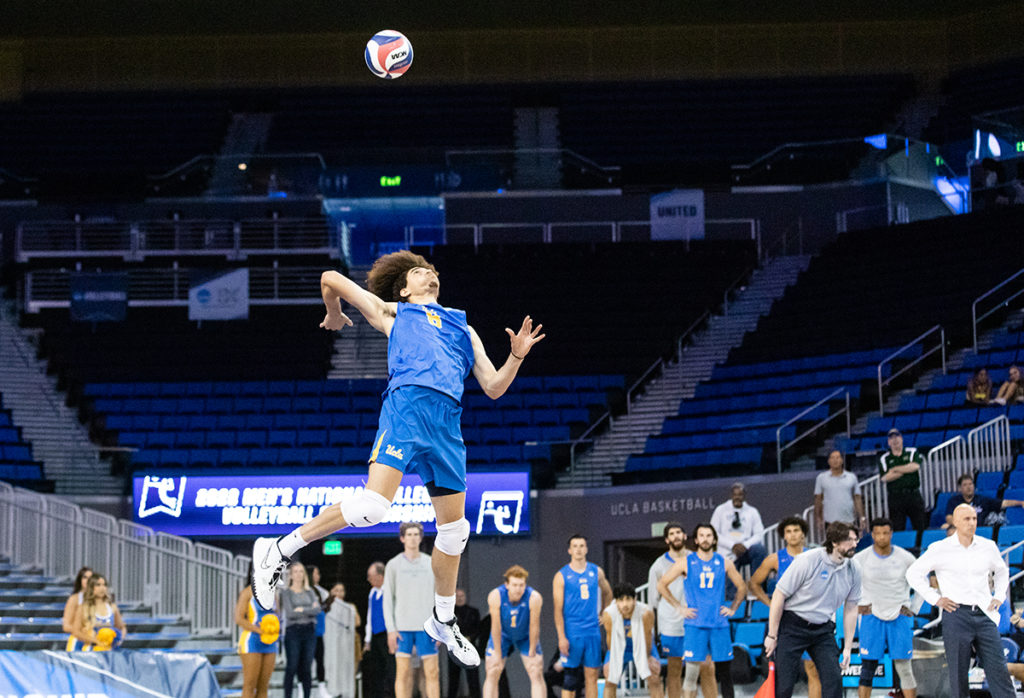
point(740, 533)
point(670, 621)
point(962, 563)
point(408, 599)
point(886, 611)
point(837, 496)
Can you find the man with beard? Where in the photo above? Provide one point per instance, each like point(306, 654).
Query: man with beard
point(707, 616)
point(803, 605)
point(670, 621)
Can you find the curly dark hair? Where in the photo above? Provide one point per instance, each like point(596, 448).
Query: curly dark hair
point(388, 275)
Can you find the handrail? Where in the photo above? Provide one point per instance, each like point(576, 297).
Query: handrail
point(513, 151)
point(943, 466)
point(908, 345)
point(185, 166)
point(779, 447)
point(643, 377)
point(974, 306)
point(740, 279)
point(992, 453)
point(689, 331)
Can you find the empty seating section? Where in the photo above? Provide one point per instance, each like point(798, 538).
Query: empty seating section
point(733, 418)
point(162, 344)
point(606, 308)
point(16, 462)
point(975, 91)
point(718, 123)
point(230, 424)
point(884, 287)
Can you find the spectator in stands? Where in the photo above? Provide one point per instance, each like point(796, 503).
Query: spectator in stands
point(1012, 390)
point(468, 618)
point(629, 635)
point(257, 649)
point(794, 535)
point(318, 653)
point(979, 388)
point(97, 611)
point(803, 606)
point(741, 532)
point(300, 606)
point(75, 600)
point(963, 564)
point(1016, 669)
point(837, 496)
point(899, 468)
point(341, 651)
point(986, 508)
point(378, 665)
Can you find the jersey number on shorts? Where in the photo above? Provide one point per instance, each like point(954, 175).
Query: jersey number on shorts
point(584, 591)
point(707, 579)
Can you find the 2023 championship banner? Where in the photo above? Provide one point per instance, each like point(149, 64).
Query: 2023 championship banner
point(497, 503)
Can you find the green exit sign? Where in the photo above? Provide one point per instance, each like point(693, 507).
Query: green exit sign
point(332, 547)
point(395, 181)
point(1020, 146)
point(939, 162)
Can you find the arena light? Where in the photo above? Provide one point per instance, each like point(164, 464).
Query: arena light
point(881, 141)
point(993, 145)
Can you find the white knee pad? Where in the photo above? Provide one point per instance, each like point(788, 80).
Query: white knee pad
point(368, 508)
point(691, 676)
point(906, 673)
point(452, 537)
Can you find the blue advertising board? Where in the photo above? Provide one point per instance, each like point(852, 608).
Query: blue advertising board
point(497, 503)
point(98, 297)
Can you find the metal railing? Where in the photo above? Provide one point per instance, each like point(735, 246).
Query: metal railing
point(989, 445)
point(171, 574)
point(50, 288)
point(780, 447)
point(924, 355)
point(975, 318)
point(943, 465)
point(137, 240)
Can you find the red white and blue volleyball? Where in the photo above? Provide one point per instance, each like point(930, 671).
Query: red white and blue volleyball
point(388, 54)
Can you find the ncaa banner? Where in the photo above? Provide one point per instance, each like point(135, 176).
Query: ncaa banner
point(99, 297)
point(497, 503)
point(219, 296)
point(678, 215)
point(119, 674)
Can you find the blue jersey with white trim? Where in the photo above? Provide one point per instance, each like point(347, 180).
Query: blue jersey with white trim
point(581, 600)
point(515, 617)
point(785, 559)
point(430, 346)
point(705, 590)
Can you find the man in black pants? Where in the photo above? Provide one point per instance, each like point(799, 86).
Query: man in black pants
point(899, 468)
point(378, 665)
point(806, 597)
point(468, 619)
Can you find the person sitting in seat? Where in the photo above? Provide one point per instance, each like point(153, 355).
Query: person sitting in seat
point(979, 388)
point(1012, 390)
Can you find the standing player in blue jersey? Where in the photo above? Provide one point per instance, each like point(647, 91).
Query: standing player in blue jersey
point(431, 352)
point(515, 625)
point(794, 533)
point(707, 616)
point(577, 593)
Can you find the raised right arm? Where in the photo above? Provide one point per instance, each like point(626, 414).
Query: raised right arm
point(336, 288)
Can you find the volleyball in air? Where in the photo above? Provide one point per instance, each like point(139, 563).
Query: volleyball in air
point(388, 54)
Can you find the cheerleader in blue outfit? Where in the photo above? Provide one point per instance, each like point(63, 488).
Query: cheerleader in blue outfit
point(258, 656)
point(97, 611)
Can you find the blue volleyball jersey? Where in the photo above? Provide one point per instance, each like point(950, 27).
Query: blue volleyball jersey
point(705, 591)
point(515, 617)
point(430, 346)
point(784, 561)
point(376, 613)
point(581, 601)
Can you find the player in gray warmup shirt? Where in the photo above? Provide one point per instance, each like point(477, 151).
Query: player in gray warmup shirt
point(805, 600)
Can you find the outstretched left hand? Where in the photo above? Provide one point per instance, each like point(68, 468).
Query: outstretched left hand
point(527, 336)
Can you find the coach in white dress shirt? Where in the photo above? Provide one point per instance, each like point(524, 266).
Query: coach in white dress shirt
point(962, 563)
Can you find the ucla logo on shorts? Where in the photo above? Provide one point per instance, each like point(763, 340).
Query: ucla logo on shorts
point(432, 317)
point(394, 452)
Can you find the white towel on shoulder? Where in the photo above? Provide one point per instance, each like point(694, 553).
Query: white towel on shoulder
point(618, 642)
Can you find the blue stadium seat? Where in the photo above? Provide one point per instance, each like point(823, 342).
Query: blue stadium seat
point(234, 457)
point(175, 422)
point(758, 610)
point(989, 480)
point(251, 439)
point(306, 404)
point(293, 456)
point(930, 536)
point(220, 439)
point(1008, 535)
point(219, 405)
point(203, 458)
point(315, 421)
point(189, 439)
point(311, 437)
point(324, 456)
point(751, 637)
point(281, 438)
point(905, 539)
point(234, 422)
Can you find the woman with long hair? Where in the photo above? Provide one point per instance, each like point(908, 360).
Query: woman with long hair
point(300, 606)
point(96, 612)
point(257, 656)
point(1011, 391)
point(75, 600)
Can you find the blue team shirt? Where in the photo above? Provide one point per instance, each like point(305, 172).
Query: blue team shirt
point(784, 561)
point(705, 591)
point(430, 346)
point(515, 617)
point(581, 601)
point(376, 613)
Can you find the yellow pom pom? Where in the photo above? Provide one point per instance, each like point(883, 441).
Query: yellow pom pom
point(270, 626)
point(105, 637)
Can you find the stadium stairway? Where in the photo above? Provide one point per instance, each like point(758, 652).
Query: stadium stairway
point(58, 439)
point(359, 351)
point(679, 378)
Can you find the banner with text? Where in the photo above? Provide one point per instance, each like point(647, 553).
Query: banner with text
point(99, 297)
point(219, 296)
point(678, 215)
point(497, 503)
point(119, 674)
